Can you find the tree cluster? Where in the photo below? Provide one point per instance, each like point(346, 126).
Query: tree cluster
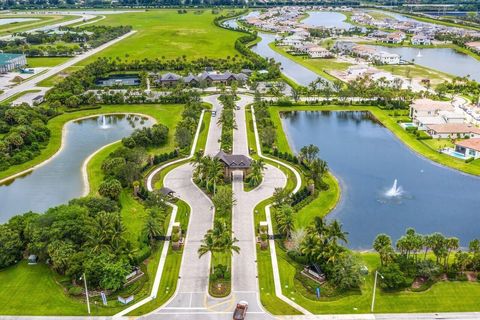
point(23, 133)
point(187, 127)
point(424, 257)
point(84, 236)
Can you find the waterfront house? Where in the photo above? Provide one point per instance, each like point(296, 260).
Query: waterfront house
point(318, 52)
point(386, 57)
point(395, 37)
point(421, 39)
point(475, 46)
point(453, 131)
point(470, 148)
point(344, 47)
point(428, 108)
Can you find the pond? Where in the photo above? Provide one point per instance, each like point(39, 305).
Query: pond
point(4, 21)
point(60, 179)
point(119, 80)
point(327, 20)
point(441, 59)
point(367, 159)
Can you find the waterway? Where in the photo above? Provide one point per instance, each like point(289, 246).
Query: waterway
point(367, 158)
point(442, 59)
point(290, 68)
point(60, 179)
point(4, 21)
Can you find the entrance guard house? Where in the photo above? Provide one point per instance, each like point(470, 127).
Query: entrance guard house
point(234, 162)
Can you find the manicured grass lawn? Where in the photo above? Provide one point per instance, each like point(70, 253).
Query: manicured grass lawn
point(319, 66)
point(165, 33)
point(416, 71)
point(441, 297)
point(168, 282)
point(320, 206)
point(32, 290)
point(42, 20)
point(168, 115)
point(46, 61)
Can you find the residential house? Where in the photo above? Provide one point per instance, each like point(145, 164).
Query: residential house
point(475, 46)
point(470, 148)
point(318, 52)
point(386, 58)
point(421, 39)
point(344, 47)
point(395, 37)
point(428, 107)
point(453, 131)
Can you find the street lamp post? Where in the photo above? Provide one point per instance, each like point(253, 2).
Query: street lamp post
point(86, 291)
point(374, 289)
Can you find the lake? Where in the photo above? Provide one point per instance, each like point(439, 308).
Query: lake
point(367, 158)
point(441, 59)
point(327, 20)
point(60, 179)
point(4, 21)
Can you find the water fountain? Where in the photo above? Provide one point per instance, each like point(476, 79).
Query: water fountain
point(394, 191)
point(419, 55)
point(104, 124)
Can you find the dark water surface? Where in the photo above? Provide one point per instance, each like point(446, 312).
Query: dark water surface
point(367, 158)
point(61, 179)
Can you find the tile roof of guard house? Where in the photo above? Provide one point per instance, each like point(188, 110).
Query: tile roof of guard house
point(234, 161)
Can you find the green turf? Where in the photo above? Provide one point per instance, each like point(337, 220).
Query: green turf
point(165, 33)
point(35, 62)
point(168, 282)
point(168, 115)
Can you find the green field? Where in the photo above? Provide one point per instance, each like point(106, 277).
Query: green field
point(165, 33)
point(36, 62)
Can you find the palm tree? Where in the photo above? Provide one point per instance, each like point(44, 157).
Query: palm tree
point(208, 245)
point(383, 245)
point(215, 173)
point(154, 225)
point(335, 232)
point(286, 223)
point(256, 175)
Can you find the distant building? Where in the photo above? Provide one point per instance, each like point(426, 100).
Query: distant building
point(11, 61)
point(318, 52)
point(474, 45)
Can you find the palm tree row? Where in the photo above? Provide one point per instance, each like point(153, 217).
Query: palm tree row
point(218, 240)
point(255, 176)
point(208, 173)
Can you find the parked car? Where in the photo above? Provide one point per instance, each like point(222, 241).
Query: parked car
point(240, 310)
point(214, 113)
